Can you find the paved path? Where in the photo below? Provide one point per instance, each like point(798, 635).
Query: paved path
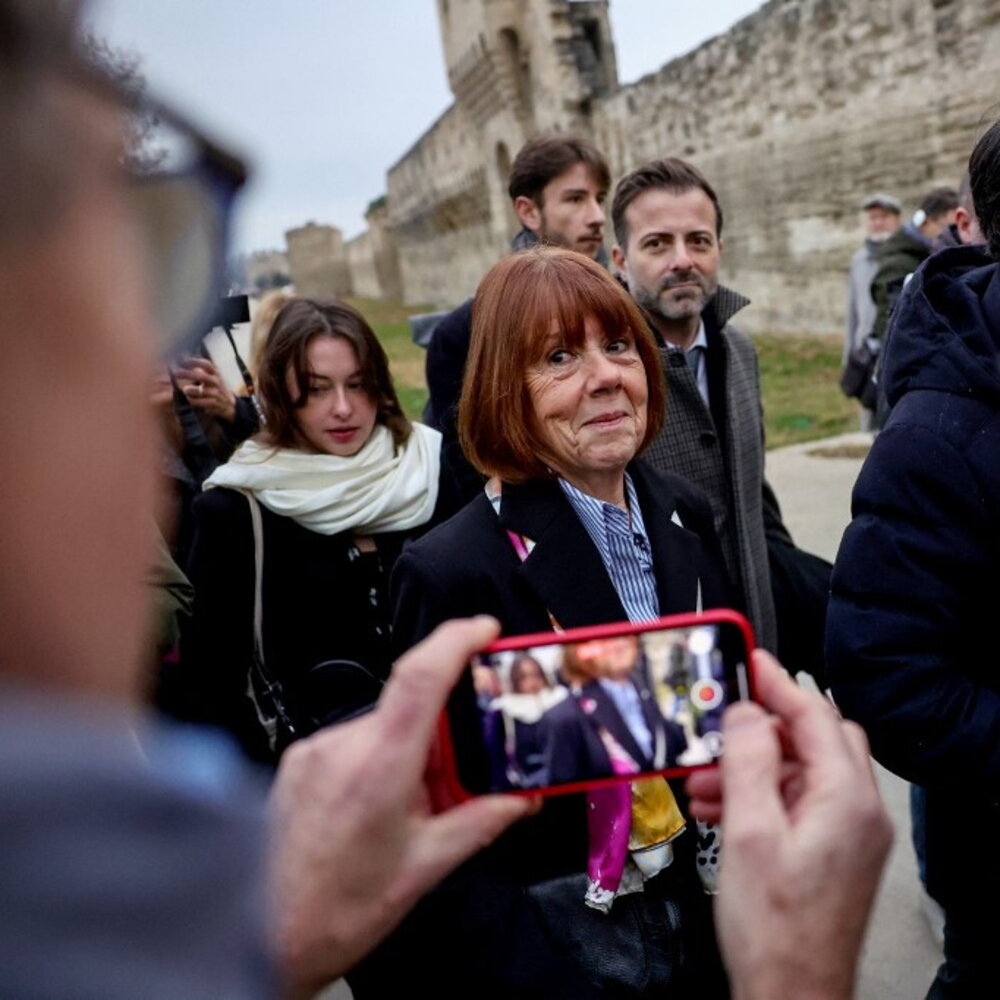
point(900, 955)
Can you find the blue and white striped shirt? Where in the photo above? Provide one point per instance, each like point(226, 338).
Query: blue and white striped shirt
point(621, 540)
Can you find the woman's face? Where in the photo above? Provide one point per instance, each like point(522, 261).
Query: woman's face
point(590, 402)
point(527, 677)
point(614, 658)
point(339, 415)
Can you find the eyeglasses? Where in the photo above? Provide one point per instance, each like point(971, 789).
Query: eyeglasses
point(183, 188)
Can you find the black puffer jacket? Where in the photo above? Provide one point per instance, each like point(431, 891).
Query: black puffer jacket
point(912, 644)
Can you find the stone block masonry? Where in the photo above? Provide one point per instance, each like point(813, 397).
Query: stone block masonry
point(795, 114)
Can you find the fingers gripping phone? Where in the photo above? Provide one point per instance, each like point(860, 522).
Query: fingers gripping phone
point(553, 713)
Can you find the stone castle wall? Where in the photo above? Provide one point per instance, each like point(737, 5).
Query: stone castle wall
point(360, 256)
point(317, 261)
point(795, 114)
point(440, 212)
point(801, 110)
point(516, 67)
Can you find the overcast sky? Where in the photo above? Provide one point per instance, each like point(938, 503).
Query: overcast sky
point(322, 96)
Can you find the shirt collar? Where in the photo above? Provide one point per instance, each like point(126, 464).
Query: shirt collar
point(597, 515)
point(700, 340)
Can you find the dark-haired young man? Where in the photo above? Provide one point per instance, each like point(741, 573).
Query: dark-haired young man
point(558, 184)
point(668, 227)
point(964, 231)
point(912, 647)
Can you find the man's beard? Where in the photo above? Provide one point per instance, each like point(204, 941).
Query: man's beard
point(673, 310)
point(557, 238)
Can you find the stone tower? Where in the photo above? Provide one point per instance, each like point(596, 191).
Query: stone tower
point(515, 68)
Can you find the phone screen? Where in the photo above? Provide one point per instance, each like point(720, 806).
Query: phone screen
point(565, 712)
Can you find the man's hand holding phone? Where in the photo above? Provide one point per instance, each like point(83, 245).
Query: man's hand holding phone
point(806, 838)
point(358, 838)
point(356, 841)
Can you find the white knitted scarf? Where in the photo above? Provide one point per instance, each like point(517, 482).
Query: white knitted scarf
point(378, 489)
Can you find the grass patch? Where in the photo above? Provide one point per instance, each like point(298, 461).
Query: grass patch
point(800, 383)
point(799, 376)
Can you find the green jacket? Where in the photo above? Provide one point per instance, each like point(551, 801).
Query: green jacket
point(900, 255)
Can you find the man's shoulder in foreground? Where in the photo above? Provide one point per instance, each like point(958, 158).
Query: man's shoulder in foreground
point(122, 842)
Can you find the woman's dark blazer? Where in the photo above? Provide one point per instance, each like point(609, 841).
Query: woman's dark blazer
point(574, 748)
point(468, 566)
point(479, 932)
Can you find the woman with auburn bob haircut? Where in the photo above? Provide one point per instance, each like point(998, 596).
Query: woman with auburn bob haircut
point(520, 302)
point(562, 391)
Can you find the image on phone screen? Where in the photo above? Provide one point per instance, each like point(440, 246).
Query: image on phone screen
point(566, 712)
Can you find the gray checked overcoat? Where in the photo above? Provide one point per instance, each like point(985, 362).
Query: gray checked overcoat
point(721, 450)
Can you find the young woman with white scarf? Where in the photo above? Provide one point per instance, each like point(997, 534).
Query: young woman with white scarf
point(341, 479)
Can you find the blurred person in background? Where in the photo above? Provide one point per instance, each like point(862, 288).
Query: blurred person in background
point(264, 315)
point(906, 249)
point(882, 219)
point(964, 231)
point(202, 421)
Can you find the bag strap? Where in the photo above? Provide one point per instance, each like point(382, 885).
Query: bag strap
point(258, 583)
point(268, 703)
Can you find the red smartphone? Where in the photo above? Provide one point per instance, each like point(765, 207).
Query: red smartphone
point(552, 713)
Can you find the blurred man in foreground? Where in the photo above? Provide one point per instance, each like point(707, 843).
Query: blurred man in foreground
point(131, 854)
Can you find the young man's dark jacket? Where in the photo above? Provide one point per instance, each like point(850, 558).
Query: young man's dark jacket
point(912, 645)
point(446, 356)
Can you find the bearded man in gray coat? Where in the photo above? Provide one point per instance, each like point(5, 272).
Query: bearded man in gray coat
point(668, 226)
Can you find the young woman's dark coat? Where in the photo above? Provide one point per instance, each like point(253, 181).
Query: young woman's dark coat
point(321, 601)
